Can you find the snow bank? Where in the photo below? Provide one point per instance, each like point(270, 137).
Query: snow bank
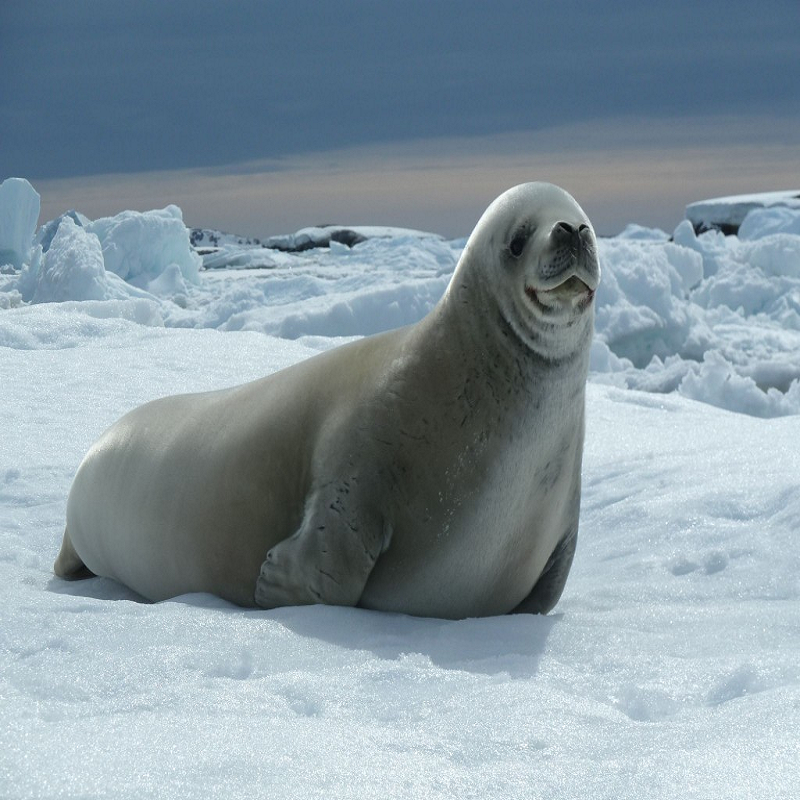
point(19, 213)
point(333, 292)
point(641, 310)
point(716, 382)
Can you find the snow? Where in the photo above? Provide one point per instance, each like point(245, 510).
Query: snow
point(730, 212)
point(670, 667)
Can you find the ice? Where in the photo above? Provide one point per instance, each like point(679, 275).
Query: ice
point(640, 233)
point(728, 213)
point(226, 251)
point(680, 315)
point(761, 222)
point(130, 255)
point(19, 213)
point(642, 308)
point(671, 316)
point(47, 232)
point(139, 247)
point(348, 235)
point(71, 269)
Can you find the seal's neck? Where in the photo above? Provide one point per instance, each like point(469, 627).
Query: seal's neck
point(478, 323)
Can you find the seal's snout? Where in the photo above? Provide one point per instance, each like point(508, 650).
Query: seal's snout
point(566, 234)
point(572, 255)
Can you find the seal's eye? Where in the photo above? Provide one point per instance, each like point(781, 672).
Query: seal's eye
point(517, 244)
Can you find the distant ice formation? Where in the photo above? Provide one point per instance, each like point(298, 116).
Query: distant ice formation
point(19, 213)
point(726, 214)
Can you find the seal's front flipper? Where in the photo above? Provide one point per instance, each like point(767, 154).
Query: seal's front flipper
point(551, 582)
point(327, 561)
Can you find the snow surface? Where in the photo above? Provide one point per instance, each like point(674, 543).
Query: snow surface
point(670, 667)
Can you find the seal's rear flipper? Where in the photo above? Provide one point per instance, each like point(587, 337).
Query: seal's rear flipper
point(68, 564)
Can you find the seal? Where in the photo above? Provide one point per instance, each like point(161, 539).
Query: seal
point(434, 470)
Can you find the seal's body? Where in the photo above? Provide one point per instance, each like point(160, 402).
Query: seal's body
point(433, 470)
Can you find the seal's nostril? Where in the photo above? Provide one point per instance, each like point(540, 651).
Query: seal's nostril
point(563, 233)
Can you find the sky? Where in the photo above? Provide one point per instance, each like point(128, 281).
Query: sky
point(262, 117)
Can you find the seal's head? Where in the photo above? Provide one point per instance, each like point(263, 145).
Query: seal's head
point(537, 248)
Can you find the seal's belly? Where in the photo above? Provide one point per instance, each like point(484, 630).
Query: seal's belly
point(481, 562)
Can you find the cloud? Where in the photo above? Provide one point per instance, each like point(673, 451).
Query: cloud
point(92, 88)
point(621, 170)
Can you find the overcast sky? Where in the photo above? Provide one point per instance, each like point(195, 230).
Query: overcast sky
point(261, 117)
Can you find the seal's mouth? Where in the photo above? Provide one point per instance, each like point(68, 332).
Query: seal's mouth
point(572, 291)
